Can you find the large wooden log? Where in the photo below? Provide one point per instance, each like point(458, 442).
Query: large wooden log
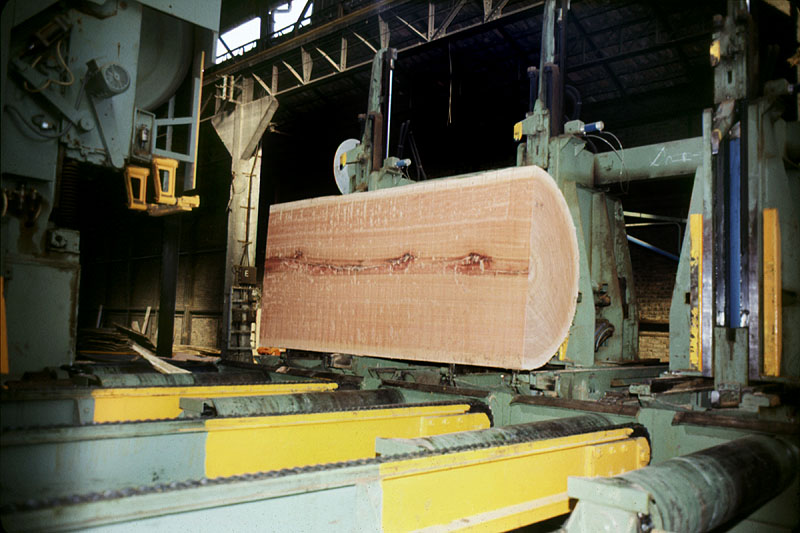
point(480, 270)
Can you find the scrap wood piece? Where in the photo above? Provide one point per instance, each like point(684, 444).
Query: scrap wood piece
point(479, 270)
point(157, 363)
point(93, 340)
point(194, 357)
point(203, 350)
point(146, 320)
point(135, 336)
point(185, 352)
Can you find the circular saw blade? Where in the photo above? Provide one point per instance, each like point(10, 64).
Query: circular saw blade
point(342, 173)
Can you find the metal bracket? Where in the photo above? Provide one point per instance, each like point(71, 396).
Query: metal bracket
point(30, 75)
point(101, 96)
point(64, 241)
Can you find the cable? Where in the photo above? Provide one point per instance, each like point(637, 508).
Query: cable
point(247, 241)
point(43, 134)
point(47, 83)
point(21, 118)
point(63, 64)
point(605, 141)
point(44, 86)
point(621, 151)
point(450, 97)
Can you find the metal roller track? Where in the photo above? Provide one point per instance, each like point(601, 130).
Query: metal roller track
point(291, 403)
point(59, 460)
point(373, 494)
point(499, 436)
point(46, 407)
point(44, 503)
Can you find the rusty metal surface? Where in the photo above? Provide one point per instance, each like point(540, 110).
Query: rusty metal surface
point(736, 422)
point(442, 389)
point(578, 405)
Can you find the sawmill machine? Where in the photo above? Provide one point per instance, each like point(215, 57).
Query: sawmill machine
point(734, 300)
point(333, 441)
point(737, 276)
point(365, 164)
point(734, 307)
point(109, 84)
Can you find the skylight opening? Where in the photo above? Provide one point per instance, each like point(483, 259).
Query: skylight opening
point(239, 40)
point(286, 15)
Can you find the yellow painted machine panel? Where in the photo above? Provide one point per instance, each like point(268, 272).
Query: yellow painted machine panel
point(242, 445)
point(696, 287)
point(773, 287)
point(502, 487)
point(153, 403)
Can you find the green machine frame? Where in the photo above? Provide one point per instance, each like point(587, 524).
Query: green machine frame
point(719, 417)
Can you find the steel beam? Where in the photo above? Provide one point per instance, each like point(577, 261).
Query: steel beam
point(312, 35)
point(663, 160)
point(646, 50)
point(241, 128)
point(169, 284)
point(364, 24)
point(610, 71)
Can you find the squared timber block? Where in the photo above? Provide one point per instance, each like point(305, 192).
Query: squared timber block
point(480, 270)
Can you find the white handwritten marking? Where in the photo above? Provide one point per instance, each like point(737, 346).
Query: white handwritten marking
point(654, 163)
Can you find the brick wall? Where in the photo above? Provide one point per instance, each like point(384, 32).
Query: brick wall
point(654, 279)
point(654, 345)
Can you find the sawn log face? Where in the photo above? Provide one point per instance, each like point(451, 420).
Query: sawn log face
point(479, 270)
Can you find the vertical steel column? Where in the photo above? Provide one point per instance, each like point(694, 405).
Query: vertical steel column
point(240, 124)
point(169, 284)
point(719, 214)
point(548, 41)
point(733, 244)
point(709, 251)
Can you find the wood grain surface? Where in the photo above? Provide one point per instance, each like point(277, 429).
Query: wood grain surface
point(480, 270)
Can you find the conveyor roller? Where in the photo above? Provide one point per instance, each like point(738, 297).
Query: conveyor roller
point(696, 492)
point(496, 436)
point(314, 402)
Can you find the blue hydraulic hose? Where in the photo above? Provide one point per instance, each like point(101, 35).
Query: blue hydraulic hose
point(649, 246)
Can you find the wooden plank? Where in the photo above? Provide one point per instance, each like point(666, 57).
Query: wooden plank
point(136, 336)
point(480, 270)
point(156, 362)
point(146, 320)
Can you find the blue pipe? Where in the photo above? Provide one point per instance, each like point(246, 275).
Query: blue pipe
point(649, 246)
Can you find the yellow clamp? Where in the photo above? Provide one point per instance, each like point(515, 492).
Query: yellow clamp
point(164, 180)
point(136, 187)
point(715, 53)
point(518, 131)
